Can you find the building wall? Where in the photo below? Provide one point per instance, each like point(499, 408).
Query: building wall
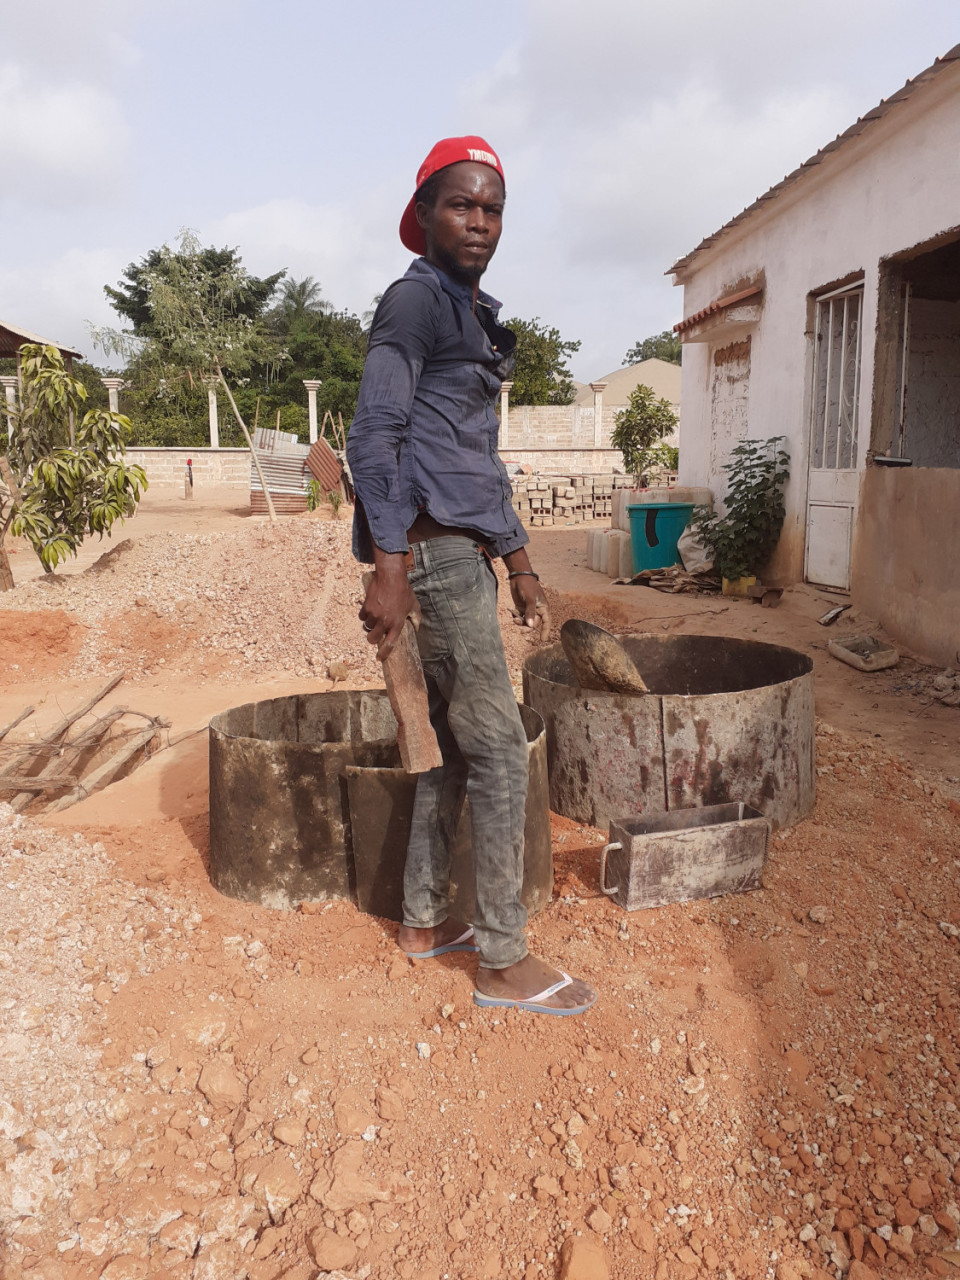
point(555, 426)
point(891, 188)
point(905, 557)
point(554, 462)
point(229, 468)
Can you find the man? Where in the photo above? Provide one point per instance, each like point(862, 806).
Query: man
point(433, 505)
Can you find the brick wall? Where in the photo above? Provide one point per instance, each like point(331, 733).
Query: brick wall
point(228, 468)
point(546, 461)
point(555, 426)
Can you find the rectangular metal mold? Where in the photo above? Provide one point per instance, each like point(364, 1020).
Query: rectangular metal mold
point(656, 859)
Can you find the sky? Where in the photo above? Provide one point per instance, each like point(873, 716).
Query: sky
point(294, 130)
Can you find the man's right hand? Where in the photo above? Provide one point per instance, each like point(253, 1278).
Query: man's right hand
point(388, 603)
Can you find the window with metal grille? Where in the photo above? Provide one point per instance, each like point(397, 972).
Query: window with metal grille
point(836, 381)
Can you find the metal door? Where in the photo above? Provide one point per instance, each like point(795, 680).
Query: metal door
point(833, 478)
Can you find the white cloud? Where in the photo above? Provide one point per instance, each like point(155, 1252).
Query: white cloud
point(629, 132)
point(57, 297)
point(61, 38)
point(353, 252)
point(57, 139)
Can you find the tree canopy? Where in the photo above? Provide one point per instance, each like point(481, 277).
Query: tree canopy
point(541, 375)
point(659, 346)
point(132, 297)
point(270, 335)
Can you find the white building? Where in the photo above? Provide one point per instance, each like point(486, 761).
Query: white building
point(829, 312)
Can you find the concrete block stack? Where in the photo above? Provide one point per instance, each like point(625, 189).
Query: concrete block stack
point(565, 500)
point(565, 507)
point(533, 500)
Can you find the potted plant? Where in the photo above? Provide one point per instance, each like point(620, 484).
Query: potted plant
point(743, 538)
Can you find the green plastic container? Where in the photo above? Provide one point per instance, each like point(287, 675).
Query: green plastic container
point(655, 529)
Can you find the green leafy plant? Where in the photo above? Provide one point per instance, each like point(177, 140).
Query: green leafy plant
point(744, 537)
point(666, 456)
point(639, 429)
point(66, 491)
point(335, 498)
point(541, 374)
point(314, 494)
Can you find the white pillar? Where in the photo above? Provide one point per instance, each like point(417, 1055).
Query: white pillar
point(313, 385)
point(505, 389)
point(598, 389)
point(114, 386)
point(212, 406)
point(10, 391)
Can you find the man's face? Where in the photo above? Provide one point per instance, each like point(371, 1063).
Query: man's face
point(463, 228)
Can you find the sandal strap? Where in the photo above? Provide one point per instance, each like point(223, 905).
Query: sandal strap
point(565, 981)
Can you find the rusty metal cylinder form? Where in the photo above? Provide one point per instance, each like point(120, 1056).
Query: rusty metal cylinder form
point(308, 802)
point(725, 720)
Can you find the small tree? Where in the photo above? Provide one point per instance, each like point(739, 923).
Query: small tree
point(540, 374)
point(743, 539)
point(199, 324)
point(58, 493)
point(639, 429)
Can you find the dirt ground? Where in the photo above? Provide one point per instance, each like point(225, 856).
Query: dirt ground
point(192, 1086)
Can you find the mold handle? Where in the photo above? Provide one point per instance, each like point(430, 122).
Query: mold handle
point(603, 869)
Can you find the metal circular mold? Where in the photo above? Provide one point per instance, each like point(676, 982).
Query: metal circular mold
point(725, 720)
point(308, 802)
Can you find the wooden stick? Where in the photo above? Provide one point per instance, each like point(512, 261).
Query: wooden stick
point(107, 771)
point(5, 729)
point(68, 754)
point(407, 691)
point(19, 781)
point(10, 480)
point(271, 512)
point(60, 728)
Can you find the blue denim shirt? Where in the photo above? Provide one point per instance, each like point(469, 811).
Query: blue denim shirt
point(424, 437)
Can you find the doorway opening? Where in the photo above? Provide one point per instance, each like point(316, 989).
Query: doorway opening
point(917, 406)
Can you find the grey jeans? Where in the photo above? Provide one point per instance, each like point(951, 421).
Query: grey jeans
point(484, 747)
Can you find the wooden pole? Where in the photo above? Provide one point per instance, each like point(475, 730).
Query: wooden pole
point(68, 754)
point(107, 771)
point(246, 435)
point(5, 729)
point(10, 480)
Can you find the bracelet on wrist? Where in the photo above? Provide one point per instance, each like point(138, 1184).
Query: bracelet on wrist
point(523, 573)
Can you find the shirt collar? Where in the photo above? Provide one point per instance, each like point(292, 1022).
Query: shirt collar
point(462, 292)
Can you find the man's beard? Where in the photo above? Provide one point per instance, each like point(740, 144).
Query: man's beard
point(457, 271)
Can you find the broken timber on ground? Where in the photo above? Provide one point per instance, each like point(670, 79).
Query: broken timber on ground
point(53, 769)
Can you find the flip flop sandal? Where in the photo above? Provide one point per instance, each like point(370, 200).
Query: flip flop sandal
point(458, 944)
point(533, 1004)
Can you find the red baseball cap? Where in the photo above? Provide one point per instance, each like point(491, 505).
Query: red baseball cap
point(446, 152)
